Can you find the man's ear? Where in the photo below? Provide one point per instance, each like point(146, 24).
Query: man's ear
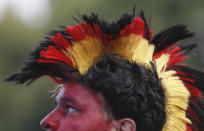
point(126, 124)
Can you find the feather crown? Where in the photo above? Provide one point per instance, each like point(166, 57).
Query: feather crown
point(76, 48)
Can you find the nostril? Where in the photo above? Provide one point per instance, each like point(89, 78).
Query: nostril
point(49, 125)
point(45, 125)
point(51, 121)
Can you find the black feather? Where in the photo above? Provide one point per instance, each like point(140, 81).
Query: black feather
point(169, 36)
point(147, 33)
point(188, 48)
point(32, 69)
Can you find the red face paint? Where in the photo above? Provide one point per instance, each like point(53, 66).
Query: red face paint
point(78, 109)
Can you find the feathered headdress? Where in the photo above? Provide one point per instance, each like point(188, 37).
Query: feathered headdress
point(72, 50)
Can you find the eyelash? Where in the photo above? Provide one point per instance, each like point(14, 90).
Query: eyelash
point(66, 108)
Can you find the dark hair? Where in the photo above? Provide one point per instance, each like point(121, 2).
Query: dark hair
point(130, 90)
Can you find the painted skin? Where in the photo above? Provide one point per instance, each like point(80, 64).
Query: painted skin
point(78, 109)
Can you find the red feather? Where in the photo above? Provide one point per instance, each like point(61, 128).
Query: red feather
point(138, 26)
point(60, 41)
point(193, 90)
point(76, 34)
point(53, 53)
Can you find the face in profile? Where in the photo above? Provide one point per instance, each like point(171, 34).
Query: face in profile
point(77, 109)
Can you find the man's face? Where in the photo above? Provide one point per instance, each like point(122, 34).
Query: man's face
point(78, 109)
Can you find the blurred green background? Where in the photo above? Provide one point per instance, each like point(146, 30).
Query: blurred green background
point(23, 23)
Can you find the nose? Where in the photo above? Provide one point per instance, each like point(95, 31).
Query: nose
point(51, 121)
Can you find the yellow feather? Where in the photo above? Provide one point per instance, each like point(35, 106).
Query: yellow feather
point(85, 52)
point(135, 48)
point(176, 97)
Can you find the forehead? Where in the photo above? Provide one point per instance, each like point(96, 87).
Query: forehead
point(79, 93)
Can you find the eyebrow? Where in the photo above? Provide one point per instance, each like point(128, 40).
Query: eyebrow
point(67, 99)
point(64, 99)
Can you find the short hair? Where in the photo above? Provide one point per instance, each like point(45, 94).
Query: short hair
point(130, 90)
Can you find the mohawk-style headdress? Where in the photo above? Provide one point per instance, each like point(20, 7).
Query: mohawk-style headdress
point(73, 49)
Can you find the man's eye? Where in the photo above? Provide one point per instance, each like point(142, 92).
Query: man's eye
point(66, 108)
point(70, 109)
